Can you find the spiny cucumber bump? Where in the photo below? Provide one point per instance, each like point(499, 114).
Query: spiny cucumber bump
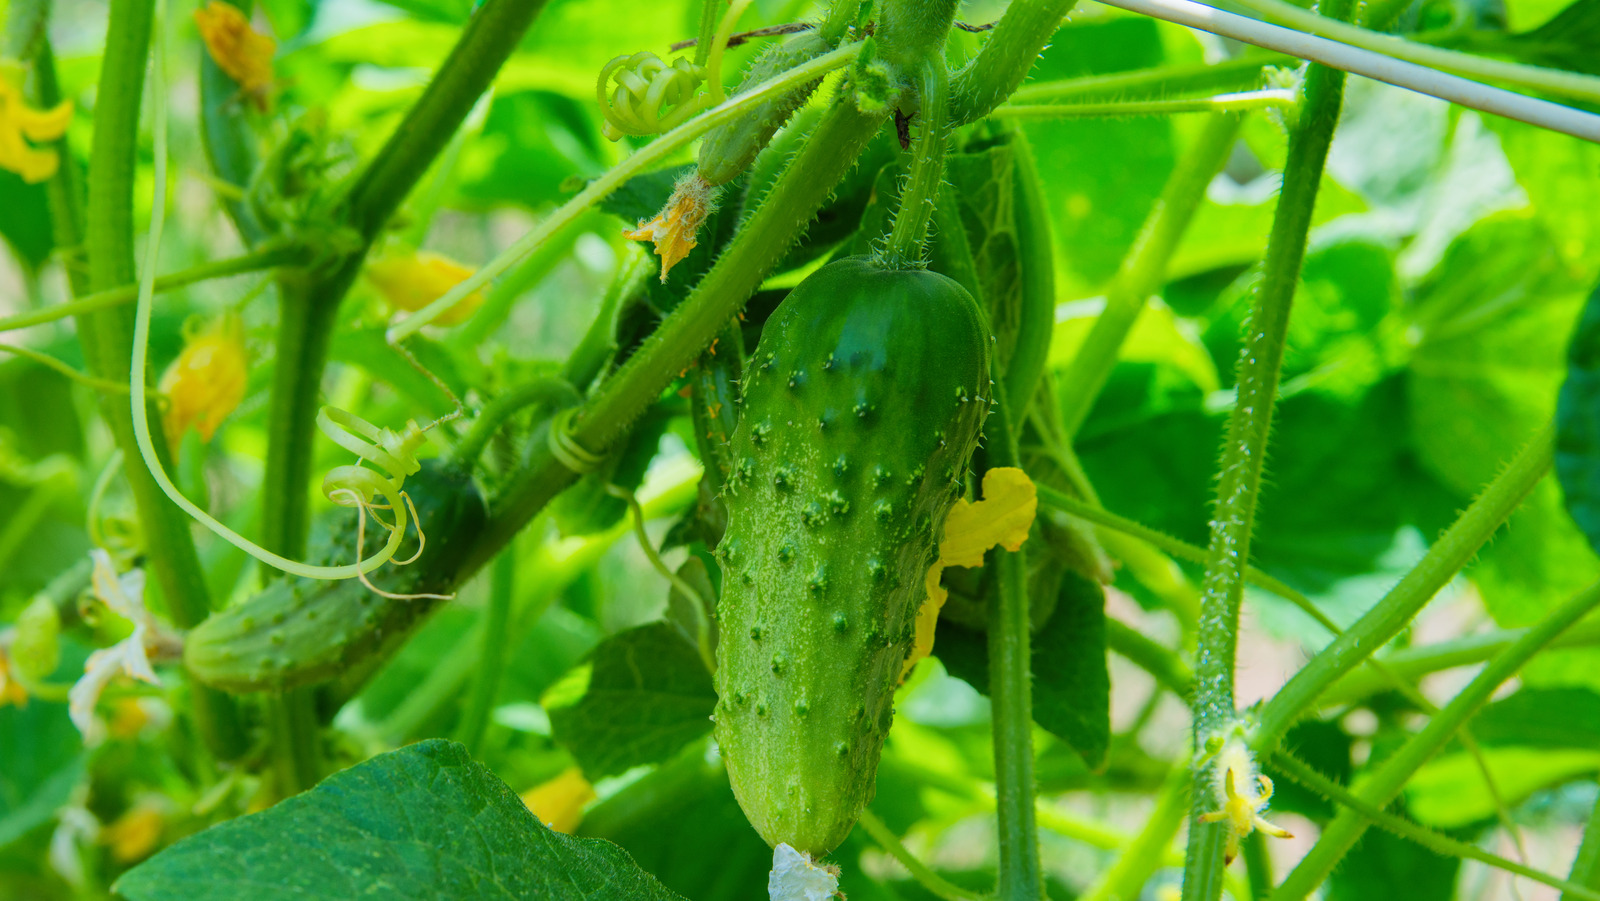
point(832, 531)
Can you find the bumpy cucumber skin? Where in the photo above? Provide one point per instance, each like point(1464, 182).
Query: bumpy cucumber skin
point(729, 149)
point(303, 631)
point(862, 406)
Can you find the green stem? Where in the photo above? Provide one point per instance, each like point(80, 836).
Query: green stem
point(1415, 662)
point(65, 191)
point(1586, 865)
point(933, 882)
point(107, 337)
point(491, 36)
point(1382, 785)
point(905, 245)
point(1147, 852)
point(1397, 608)
point(127, 294)
point(44, 359)
point(1006, 57)
point(491, 658)
point(710, 14)
point(551, 391)
point(1011, 691)
point(1575, 85)
point(1244, 453)
point(1244, 102)
point(1150, 656)
point(229, 141)
point(1143, 269)
point(1238, 72)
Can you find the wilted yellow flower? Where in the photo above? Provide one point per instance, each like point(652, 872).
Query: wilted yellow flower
point(19, 124)
point(1003, 517)
point(136, 833)
point(237, 49)
point(11, 691)
point(674, 229)
point(559, 803)
point(206, 382)
point(412, 281)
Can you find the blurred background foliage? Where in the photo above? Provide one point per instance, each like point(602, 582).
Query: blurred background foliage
point(1450, 259)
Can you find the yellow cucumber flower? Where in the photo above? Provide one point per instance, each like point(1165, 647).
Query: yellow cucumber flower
point(137, 832)
point(206, 382)
point(19, 124)
point(410, 282)
point(674, 229)
point(1003, 517)
point(1243, 793)
point(559, 803)
point(237, 49)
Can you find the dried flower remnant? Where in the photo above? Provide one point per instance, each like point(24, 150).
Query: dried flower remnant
point(411, 281)
point(674, 230)
point(1003, 518)
point(206, 382)
point(20, 124)
point(239, 50)
point(124, 596)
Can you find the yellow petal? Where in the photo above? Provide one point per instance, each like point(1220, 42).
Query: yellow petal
point(135, 834)
point(674, 229)
point(927, 618)
point(1003, 517)
point(559, 803)
point(237, 49)
point(43, 125)
point(206, 382)
point(410, 282)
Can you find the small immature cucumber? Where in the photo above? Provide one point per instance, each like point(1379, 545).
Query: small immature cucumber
point(729, 149)
point(302, 631)
point(862, 407)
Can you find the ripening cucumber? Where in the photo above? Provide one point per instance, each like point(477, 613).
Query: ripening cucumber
point(302, 631)
point(861, 408)
point(729, 149)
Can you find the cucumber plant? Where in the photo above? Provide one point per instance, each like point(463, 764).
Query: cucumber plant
point(777, 319)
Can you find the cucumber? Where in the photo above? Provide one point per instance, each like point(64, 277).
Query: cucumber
point(303, 631)
point(729, 149)
point(861, 409)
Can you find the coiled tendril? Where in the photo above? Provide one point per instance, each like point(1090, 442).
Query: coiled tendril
point(395, 453)
point(640, 94)
point(650, 96)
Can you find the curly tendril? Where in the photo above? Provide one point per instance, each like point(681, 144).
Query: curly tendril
point(641, 94)
point(650, 96)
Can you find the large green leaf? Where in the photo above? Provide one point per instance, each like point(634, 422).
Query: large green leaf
point(1071, 687)
point(643, 695)
point(1383, 865)
point(41, 761)
point(423, 822)
point(1578, 422)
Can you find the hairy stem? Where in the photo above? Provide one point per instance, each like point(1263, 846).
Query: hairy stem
point(1397, 608)
point(1241, 102)
point(1382, 785)
point(1244, 454)
point(1008, 54)
point(905, 245)
point(107, 338)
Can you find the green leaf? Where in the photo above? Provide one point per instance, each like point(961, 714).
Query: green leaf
point(641, 697)
point(1542, 718)
point(423, 822)
point(1383, 865)
point(1071, 685)
point(1578, 421)
point(25, 220)
point(719, 858)
point(41, 762)
point(1448, 792)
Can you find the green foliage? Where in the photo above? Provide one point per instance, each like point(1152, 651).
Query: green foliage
point(422, 822)
point(642, 696)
